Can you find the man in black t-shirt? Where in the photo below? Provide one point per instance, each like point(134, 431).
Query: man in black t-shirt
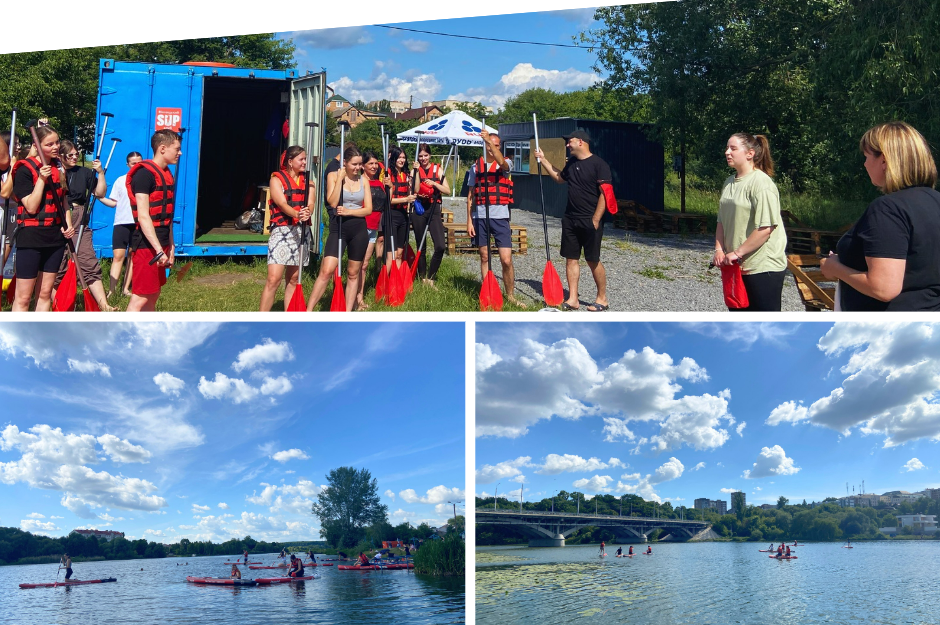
point(581, 227)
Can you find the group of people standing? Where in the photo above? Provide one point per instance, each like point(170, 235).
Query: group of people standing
point(888, 260)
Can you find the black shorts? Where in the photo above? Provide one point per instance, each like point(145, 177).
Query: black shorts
point(501, 232)
point(399, 229)
point(31, 260)
point(578, 234)
point(121, 236)
point(355, 238)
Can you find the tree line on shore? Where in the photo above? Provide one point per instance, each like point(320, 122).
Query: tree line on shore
point(804, 521)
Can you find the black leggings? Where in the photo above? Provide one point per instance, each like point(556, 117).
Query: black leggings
point(436, 228)
point(355, 238)
point(399, 230)
point(763, 291)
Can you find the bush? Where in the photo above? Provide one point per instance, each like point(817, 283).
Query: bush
point(445, 557)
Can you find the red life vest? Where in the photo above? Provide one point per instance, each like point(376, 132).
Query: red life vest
point(400, 188)
point(493, 187)
point(161, 200)
point(295, 196)
point(424, 189)
point(48, 215)
point(373, 219)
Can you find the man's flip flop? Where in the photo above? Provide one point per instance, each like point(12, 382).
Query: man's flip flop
point(567, 306)
point(595, 307)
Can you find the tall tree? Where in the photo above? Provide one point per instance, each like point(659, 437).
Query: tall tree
point(348, 504)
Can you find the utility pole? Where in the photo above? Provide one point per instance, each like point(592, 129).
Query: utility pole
point(495, 495)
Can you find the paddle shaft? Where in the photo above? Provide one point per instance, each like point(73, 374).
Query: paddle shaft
point(86, 215)
point(535, 125)
point(486, 204)
point(5, 205)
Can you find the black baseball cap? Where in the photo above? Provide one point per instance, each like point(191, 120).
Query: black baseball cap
point(578, 134)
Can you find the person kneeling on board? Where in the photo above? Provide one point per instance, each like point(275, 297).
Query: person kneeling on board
point(363, 559)
point(296, 567)
point(619, 551)
point(150, 188)
point(236, 574)
point(649, 550)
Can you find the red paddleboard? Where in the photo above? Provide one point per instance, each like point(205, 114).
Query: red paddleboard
point(371, 567)
point(282, 580)
point(77, 582)
point(844, 547)
point(280, 566)
point(317, 564)
point(783, 557)
point(242, 563)
point(222, 581)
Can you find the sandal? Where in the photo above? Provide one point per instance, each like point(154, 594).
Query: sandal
point(566, 306)
point(595, 307)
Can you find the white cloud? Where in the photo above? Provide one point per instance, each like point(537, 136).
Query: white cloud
point(378, 86)
point(290, 454)
point(526, 76)
point(197, 508)
point(582, 17)
point(265, 498)
point(155, 533)
point(700, 465)
point(914, 465)
point(332, 38)
point(264, 353)
point(771, 461)
point(670, 470)
point(596, 484)
point(893, 373)
point(89, 366)
point(276, 386)
point(728, 491)
point(41, 527)
point(390, 494)
point(35, 515)
point(400, 516)
point(304, 488)
point(438, 494)
point(223, 505)
point(224, 387)
point(168, 384)
point(418, 46)
point(294, 498)
point(121, 450)
point(744, 335)
point(740, 428)
point(564, 380)
point(555, 464)
point(493, 473)
point(485, 357)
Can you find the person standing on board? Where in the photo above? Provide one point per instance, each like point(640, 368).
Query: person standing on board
point(631, 551)
point(491, 187)
point(589, 185)
point(603, 551)
point(67, 566)
point(150, 189)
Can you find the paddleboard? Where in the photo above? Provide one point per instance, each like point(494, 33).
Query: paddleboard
point(783, 557)
point(282, 580)
point(222, 581)
point(241, 563)
point(77, 582)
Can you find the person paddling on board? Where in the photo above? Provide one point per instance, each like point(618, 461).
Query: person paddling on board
point(313, 558)
point(283, 556)
point(296, 567)
point(619, 551)
point(67, 565)
point(649, 549)
point(771, 547)
point(631, 551)
point(236, 574)
point(363, 559)
point(788, 551)
point(246, 557)
point(602, 551)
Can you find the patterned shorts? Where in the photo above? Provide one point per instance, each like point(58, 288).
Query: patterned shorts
point(284, 246)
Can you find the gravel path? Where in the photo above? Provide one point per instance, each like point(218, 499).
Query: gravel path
point(645, 272)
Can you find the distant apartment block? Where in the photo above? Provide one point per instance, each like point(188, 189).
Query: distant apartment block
point(861, 501)
point(933, 493)
point(925, 522)
point(395, 106)
point(452, 104)
point(718, 505)
point(108, 535)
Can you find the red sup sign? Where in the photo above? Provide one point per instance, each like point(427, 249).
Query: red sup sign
point(168, 118)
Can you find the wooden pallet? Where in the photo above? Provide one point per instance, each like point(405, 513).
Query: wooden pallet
point(447, 216)
point(808, 277)
point(634, 216)
point(459, 242)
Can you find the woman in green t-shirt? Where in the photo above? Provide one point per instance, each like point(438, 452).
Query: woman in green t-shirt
point(750, 229)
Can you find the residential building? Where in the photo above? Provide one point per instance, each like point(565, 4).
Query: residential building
point(768, 506)
point(396, 106)
point(933, 493)
point(860, 501)
point(452, 104)
point(355, 115)
point(718, 505)
point(424, 114)
point(336, 103)
point(925, 522)
point(108, 535)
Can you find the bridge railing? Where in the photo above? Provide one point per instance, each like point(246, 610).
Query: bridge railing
point(543, 513)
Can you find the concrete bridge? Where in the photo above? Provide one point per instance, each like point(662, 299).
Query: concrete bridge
point(549, 529)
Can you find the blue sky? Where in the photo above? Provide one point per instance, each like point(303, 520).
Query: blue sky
point(373, 63)
point(681, 411)
point(212, 431)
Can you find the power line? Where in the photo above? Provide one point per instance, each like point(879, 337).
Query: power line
point(528, 43)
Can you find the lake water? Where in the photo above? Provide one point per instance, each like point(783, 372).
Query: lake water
point(698, 583)
point(161, 594)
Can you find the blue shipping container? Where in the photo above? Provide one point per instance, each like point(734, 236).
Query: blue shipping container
point(231, 118)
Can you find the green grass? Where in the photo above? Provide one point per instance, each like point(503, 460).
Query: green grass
point(814, 210)
point(655, 272)
point(445, 557)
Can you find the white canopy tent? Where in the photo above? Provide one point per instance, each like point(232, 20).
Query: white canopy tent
point(456, 129)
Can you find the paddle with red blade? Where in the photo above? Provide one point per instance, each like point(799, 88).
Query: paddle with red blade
point(86, 214)
point(297, 302)
point(381, 285)
point(491, 298)
point(64, 300)
point(417, 257)
point(552, 292)
point(338, 302)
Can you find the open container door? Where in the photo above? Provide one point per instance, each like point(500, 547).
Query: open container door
point(308, 104)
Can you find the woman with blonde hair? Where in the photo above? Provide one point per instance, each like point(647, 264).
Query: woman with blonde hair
point(750, 229)
point(890, 258)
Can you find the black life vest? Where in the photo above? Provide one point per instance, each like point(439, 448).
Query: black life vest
point(425, 190)
point(161, 200)
point(493, 187)
point(48, 214)
point(295, 196)
point(400, 188)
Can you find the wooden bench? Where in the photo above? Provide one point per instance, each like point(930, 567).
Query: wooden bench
point(459, 242)
point(808, 277)
point(634, 216)
point(802, 239)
